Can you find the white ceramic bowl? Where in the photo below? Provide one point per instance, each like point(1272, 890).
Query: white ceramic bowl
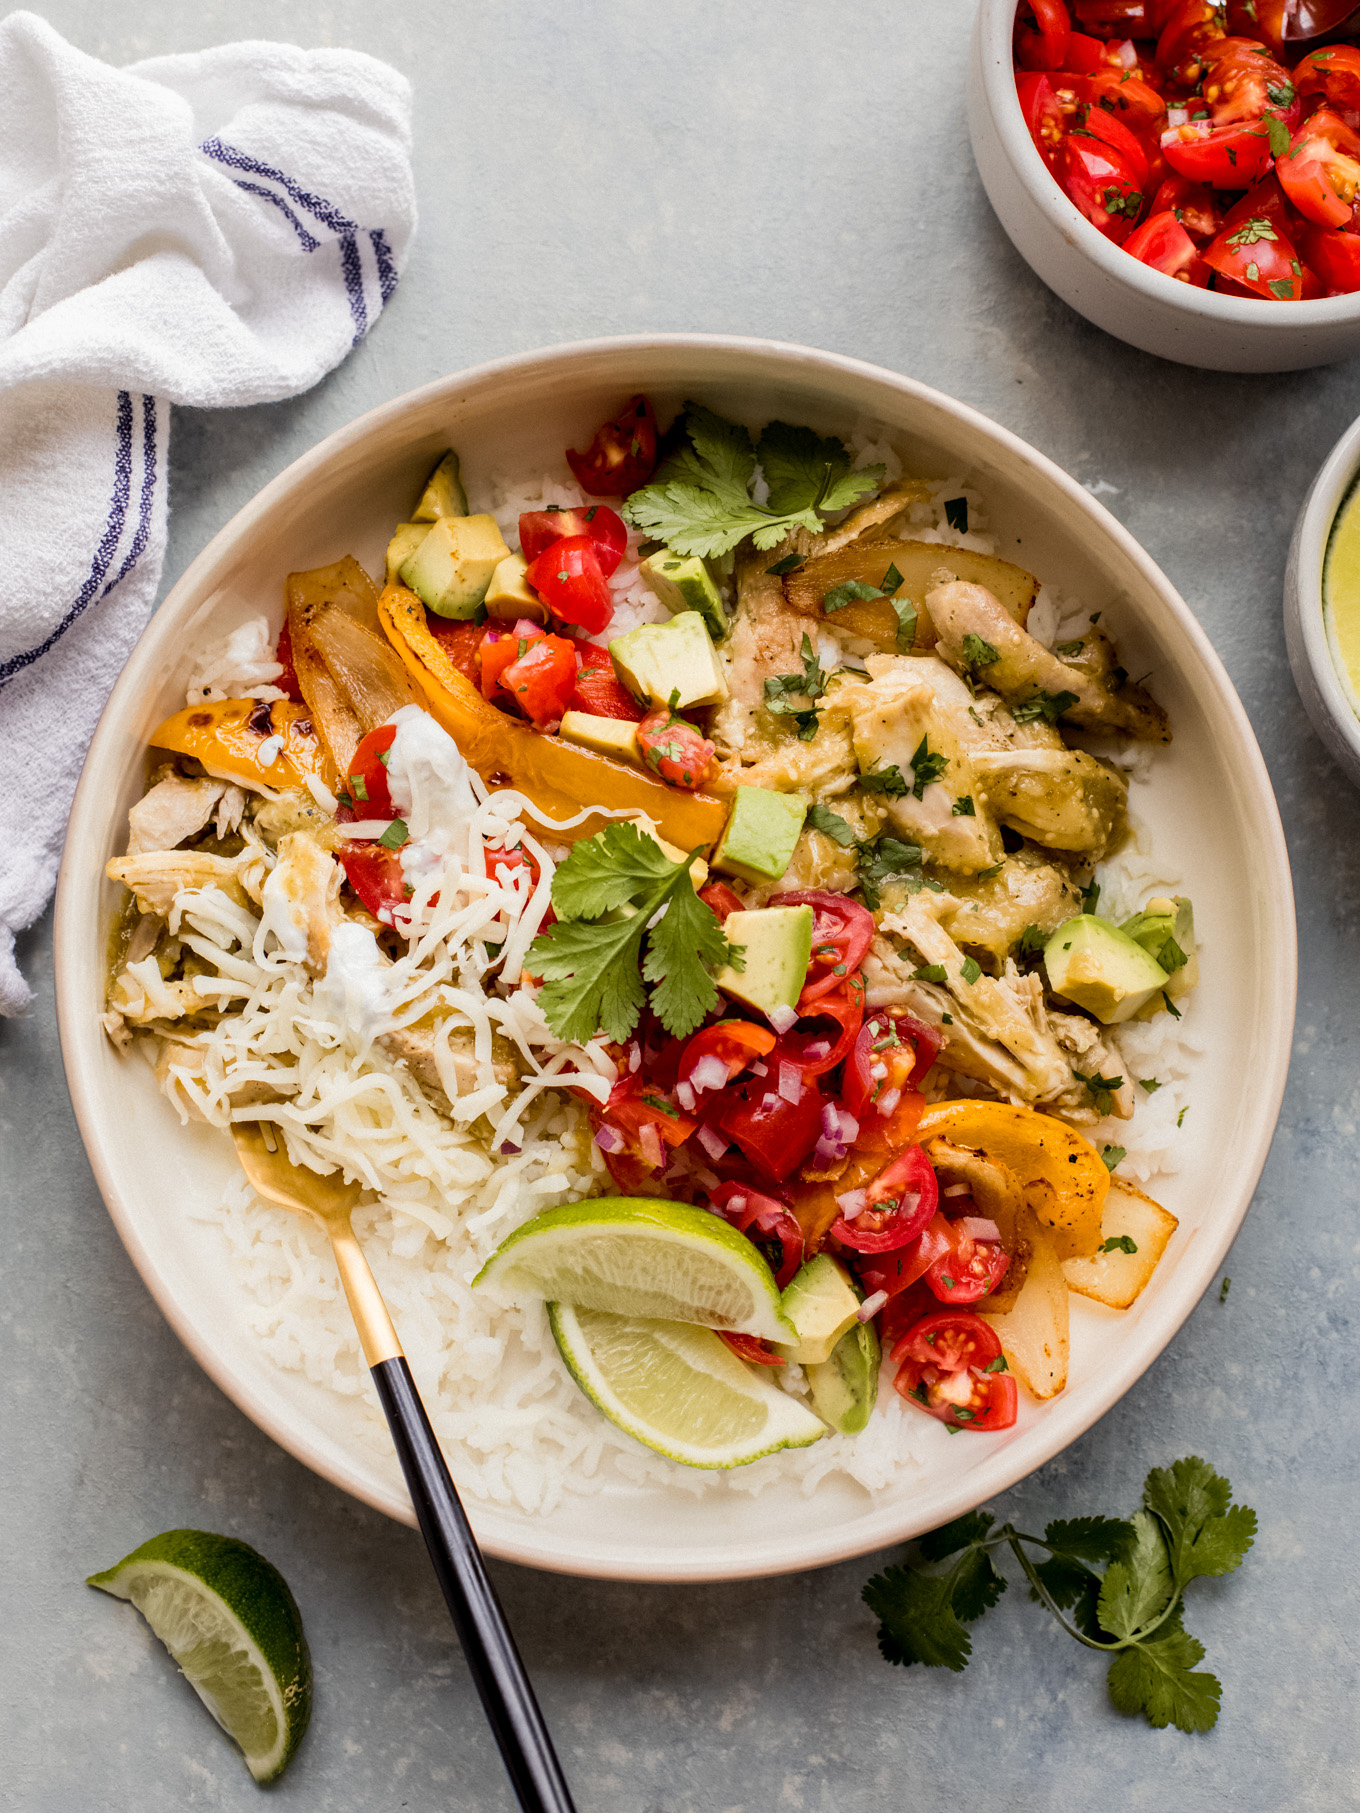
point(1211, 816)
point(1318, 673)
point(1113, 290)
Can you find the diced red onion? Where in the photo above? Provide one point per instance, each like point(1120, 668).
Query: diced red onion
point(888, 1100)
point(735, 1205)
point(684, 1094)
point(817, 1050)
point(509, 1151)
point(712, 1141)
point(831, 1120)
point(790, 1082)
point(650, 1141)
point(760, 1068)
point(769, 1100)
point(957, 1189)
point(977, 1227)
point(782, 1018)
point(635, 1060)
point(878, 1071)
point(708, 1073)
point(609, 1139)
point(854, 1202)
point(827, 1152)
point(871, 1306)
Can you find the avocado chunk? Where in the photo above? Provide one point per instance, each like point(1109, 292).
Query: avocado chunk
point(443, 494)
point(1091, 962)
point(821, 1303)
point(451, 569)
point(403, 545)
point(510, 596)
point(845, 1387)
point(664, 662)
point(762, 829)
point(606, 736)
point(776, 943)
point(1166, 930)
point(683, 583)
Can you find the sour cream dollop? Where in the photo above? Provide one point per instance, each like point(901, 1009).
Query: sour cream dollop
point(353, 992)
point(430, 783)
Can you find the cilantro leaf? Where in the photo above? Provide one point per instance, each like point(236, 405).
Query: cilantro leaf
point(591, 980)
point(890, 782)
point(1091, 1538)
point(1100, 1089)
point(1033, 942)
point(806, 471)
point(1278, 133)
point(1112, 1157)
point(977, 1585)
point(916, 1617)
point(963, 807)
point(1049, 706)
point(395, 835)
point(1206, 1534)
point(930, 972)
point(851, 591)
point(926, 767)
point(720, 455)
point(938, 1545)
point(607, 871)
point(830, 824)
point(1139, 1586)
point(680, 950)
point(881, 859)
point(978, 653)
point(1118, 1243)
point(789, 564)
point(906, 624)
point(1157, 1679)
point(956, 513)
point(971, 970)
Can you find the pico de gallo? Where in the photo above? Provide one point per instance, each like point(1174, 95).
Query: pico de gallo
point(1197, 137)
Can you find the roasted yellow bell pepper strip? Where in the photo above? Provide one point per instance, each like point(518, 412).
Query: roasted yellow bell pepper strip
point(227, 735)
point(1061, 1175)
point(560, 778)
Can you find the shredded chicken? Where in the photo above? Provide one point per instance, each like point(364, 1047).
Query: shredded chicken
point(1063, 798)
point(156, 876)
point(174, 809)
point(992, 912)
point(421, 1047)
point(301, 900)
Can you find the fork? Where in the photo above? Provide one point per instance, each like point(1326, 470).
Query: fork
point(506, 1693)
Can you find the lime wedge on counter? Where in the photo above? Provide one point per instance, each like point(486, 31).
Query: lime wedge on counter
point(1341, 592)
point(227, 1617)
point(679, 1388)
point(641, 1256)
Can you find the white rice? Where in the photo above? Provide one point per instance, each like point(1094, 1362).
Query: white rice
point(515, 1427)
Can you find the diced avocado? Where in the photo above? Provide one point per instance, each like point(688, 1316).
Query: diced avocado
point(845, 1387)
point(510, 597)
point(1166, 930)
point(403, 545)
point(821, 1303)
point(762, 829)
point(1102, 969)
point(661, 661)
point(683, 583)
point(451, 569)
point(443, 494)
point(777, 943)
point(606, 736)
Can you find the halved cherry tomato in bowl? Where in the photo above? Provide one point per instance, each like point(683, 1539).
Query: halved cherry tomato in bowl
point(569, 579)
point(1320, 172)
point(539, 529)
point(364, 791)
point(767, 1223)
point(901, 1270)
point(599, 690)
point(1185, 46)
point(643, 1113)
point(717, 1054)
point(951, 1365)
point(1193, 204)
point(1223, 157)
point(622, 455)
point(899, 1205)
point(1111, 131)
point(719, 899)
point(825, 1031)
point(1102, 186)
point(674, 749)
point(376, 876)
point(1253, 247)
point(500, 649)
point(542, 680)
point(971, 1271)
point(892, 1053)
point(842, 931)
point(1041, 39)
point(1163, 244)
point(1333, 70)
point(1336, 259)
point(1045, 118)
point(1245, 82)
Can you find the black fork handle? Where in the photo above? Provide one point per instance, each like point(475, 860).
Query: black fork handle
point(506, 1693)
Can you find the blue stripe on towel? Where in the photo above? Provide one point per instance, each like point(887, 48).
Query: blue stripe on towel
point(308, 243)
point(104, 553)
point(316, 205)
point(387, 270)
point(139, 540)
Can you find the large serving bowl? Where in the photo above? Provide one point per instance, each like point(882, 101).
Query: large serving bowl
point(1102, 282)
point(1210, 816)
point(1327, 694)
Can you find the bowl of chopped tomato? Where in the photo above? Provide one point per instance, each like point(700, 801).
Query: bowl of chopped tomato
point(1184, 174)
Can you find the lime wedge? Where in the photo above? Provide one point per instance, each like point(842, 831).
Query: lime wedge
point(641, 1256)
point(227, 1617)
point(678, 1388)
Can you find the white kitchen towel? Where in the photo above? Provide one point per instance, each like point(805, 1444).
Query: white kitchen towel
point(213, 229)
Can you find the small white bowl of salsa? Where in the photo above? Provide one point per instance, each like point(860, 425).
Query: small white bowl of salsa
point(1322, 602)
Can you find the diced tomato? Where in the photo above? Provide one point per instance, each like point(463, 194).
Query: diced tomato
point(767, 1223)
point(891, 1132)
point(1084, 55)
point(1110, 130)
point(1042, 43)
point(750, 1348)
point(1192, 203)
point(1262, 19)
point(1224, 157)
point(646, 1116)
point(500, 649)
point(775, 1134)
point(1045, 118)
point(1335, 257)
point(461, 641)
point(720, 899)
point(900, 1204)
point(1247, 84)
point(622, 455)
point(892, 1053)
point(901, 1268)
point(496, 860)
point(599, 689)
point(539, 529)
point(732, 1044)
point(1253, 246)
point(542, 680)
point(1334, 71)
point(1101, 184)
point(1163, 243)
point(364, 792)
point(952, 1366)
point(1320, 172)
point(825, 1031)
point(283, 654)
point(675, 750)
point(1184, 45)
point(569, 579)
point(1128, 97)
point(1112, 19)
point(842, 931)
point(375, 874)
point(971, 1271)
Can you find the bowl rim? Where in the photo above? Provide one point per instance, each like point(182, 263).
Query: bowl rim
point(1335, 479)
point(994, 26)
point(1065, 1418)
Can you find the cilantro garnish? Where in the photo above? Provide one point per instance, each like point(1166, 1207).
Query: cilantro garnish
point(1180, 1118)
point(1118, 1243)
point(1278, 134)
point(1258, 227)
point(883, 859)
point(956, 514)
point(1128, 202)
point(1049, 706)
point(1090, 896)
point(1033, 942)
point(1101, 1089)
point(1070, 648)
point(851, 591)
point(358, 786)
point(930, 972)
point(1112, 1157)
point(1175, 1013)
point(1149, 1083)
point(1224, 1288)
point(978, 653)
point(594, 969)
point(789, 564)
point(971, 970)
point(963, 807)
point(830, 824)
point(890, 782)
point(1282, 288)
point(926, 768)
point(395, 835)
point(809, 686)
point(699, 501)
point(1133, 1611)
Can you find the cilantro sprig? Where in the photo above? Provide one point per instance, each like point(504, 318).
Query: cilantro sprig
point(699, 501)
point(1186, 1529)
point(594, 966)
point(808, 686)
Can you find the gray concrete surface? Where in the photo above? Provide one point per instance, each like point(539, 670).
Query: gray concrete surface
point(800, 171)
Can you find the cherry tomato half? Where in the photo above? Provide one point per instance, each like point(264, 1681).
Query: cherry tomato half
point(1336, 259)
point(500, 649)
point(599, 689)
point(1334, 71)
point(364, 793)
point(951, 1365)
point(902, 1270)
point(1320, 172)
point(842, 931)
point(1163, 243)
point(542, 680)
point(1224, 157)
point(901, 1203)
point(539, 529)
point(637, 1104)
point(1247, 84)
point(1263, 19)
point(1253, 246)
point(376, 876)
point(1185, 45)
point(1041, 40)
point(675, 750)
point(776, 1135)
point(719, 899)
point(283, 654)
point(749, 1348)
point(825, 1032)
point(892, 1052)
point(1192, 203)
point(1045, 118)
point(461, 640)
point(569, 579)
point(1101, 184)
point(971, 1271)
point(622, 455)
point(1113, 18)
point(767, 1223)
point(735, 1044)
point(1111, 130)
